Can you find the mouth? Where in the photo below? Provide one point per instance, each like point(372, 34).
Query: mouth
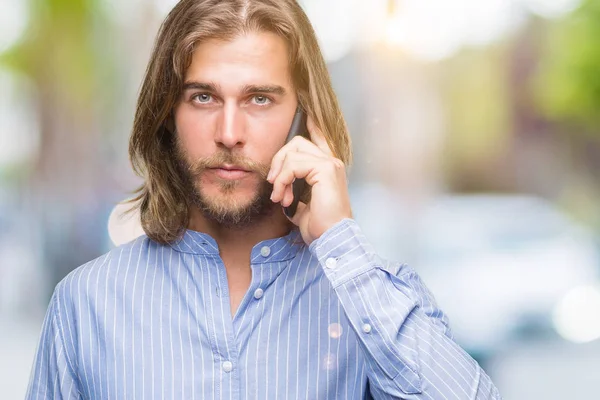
point(229, 172)
point(230, 167)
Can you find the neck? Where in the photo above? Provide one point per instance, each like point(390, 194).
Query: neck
point(236, 243)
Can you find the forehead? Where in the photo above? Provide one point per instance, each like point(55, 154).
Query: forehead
point(251, 58)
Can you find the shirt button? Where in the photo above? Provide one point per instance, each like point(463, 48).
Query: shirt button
point(331, 263)
point(258, 293)
point(366, 328)
point(265, 251)
point(227, 366)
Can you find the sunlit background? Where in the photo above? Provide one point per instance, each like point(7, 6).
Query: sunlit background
point(476, 131)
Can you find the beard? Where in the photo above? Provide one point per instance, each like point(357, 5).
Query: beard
point(226, 208)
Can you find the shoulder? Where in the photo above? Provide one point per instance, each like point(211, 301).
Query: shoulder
point(112, 267)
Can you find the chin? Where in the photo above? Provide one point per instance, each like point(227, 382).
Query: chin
point(230, 203)
point(233, 203)
point(229, 194)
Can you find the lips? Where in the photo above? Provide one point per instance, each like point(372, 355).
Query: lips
point(230, 168)
point(229, 172)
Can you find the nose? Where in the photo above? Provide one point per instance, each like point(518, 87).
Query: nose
point(231, 128)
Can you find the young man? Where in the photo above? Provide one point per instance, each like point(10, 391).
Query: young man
point(225, 297)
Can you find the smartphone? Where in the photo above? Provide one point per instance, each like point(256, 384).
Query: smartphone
point(298, 128)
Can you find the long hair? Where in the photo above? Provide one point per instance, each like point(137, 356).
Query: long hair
point(162, 199)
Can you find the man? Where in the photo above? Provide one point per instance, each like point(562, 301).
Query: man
point(227, 298)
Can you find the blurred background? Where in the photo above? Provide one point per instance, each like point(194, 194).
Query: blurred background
point(476, 131)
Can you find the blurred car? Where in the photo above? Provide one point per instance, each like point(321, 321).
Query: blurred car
point(496, 264)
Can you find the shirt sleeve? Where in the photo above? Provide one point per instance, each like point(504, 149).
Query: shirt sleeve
point(52, 375)
point(406, 340)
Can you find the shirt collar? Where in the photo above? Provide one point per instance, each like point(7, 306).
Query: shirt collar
point(271, 250)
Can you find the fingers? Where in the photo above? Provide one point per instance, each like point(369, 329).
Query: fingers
point(288, 196)
point(317, 146)
point(296, 165)
point(296, 145)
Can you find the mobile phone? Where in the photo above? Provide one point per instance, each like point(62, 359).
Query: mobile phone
point(298, 128)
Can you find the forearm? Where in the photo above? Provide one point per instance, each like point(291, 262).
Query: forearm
point(404, 336)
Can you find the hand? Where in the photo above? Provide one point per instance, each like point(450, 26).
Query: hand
point(314, 161)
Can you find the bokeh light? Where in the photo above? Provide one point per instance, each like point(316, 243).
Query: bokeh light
point(577, 314)
point(335, 330)
point(13, 22)
point(329, 362)
point(19, 123)
point(552, 8)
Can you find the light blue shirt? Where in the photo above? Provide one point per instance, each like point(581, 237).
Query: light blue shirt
point(151, 321)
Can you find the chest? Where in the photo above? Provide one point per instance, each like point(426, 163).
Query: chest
point(289, 339)
point(239, 279)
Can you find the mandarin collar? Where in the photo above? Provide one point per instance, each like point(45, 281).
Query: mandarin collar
point(271, 250)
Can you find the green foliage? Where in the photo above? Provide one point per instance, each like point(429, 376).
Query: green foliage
point(476, 95)
point(58, 51)
point(568, 83)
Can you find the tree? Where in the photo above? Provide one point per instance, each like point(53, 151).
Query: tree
point(568, 84)
point(66, 54)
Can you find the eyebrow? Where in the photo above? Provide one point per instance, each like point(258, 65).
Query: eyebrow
point(273, 89)
point(209, 87)
point(246, 89)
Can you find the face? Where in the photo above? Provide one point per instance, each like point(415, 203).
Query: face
point(234, 115)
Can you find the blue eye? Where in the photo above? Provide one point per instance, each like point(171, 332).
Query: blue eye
point(261, 100)
point(203, 97)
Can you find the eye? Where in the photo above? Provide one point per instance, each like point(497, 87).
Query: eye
point(202, 98)
point(261, 100)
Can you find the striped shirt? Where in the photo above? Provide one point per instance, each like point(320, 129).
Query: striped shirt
point(327, 321)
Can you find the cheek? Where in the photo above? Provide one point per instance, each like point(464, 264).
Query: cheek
point(270, 138)
point(193, 133)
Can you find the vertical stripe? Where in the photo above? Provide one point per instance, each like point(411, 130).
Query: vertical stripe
point(130, 325)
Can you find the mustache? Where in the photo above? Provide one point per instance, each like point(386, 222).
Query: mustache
point(223, 157)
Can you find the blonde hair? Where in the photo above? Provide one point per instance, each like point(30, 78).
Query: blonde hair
point(162, 199)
